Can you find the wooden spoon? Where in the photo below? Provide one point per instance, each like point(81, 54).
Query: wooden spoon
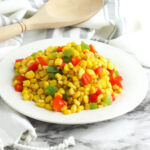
point(55, 14)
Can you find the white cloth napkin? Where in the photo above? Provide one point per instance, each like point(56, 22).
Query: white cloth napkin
point(120, 23)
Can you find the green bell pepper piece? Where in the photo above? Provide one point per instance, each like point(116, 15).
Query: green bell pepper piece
point(33, 54)
point(67, 59)
point(51, 90)
point(108, 99)
point(84, 46)
point(52, 75)
point(66, 93)
point(93, 105)
point(68, 52)
point(52, 69)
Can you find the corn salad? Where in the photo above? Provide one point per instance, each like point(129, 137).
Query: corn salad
point(68, 78)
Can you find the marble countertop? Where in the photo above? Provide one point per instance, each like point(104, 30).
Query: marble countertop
point(128, 132)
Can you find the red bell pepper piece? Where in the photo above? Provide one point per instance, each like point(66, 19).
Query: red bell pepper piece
point(63, 65)
point(93, 98)
point(33, 66)
point(19, 87)
point(58, 103)
point(113, 98)
point(98, 70)
point(19, 60)
point(86, 78)
point(75, 60)
point(42, 61)
point(59, 48)
point(20, 78)
point(98, 92)
point(92, 49)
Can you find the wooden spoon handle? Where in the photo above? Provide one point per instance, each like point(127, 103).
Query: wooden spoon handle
point(11, 30)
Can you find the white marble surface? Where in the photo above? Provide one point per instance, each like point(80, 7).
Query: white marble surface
point(128, 132)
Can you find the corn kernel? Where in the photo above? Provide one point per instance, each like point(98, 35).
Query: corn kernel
point(33, 80)
point(26, 83)
point(36, 98)
point(81, 72)
point(34, 86)
point(58, 76)
point(53, 82)
point(86, 99)
point(40, 91)
point(73, 108)
point(42, 73)
point(77, 94)
point(67, 112)
point(30, 75)
point(23, 70)
point(58, 61)
point(40, 104)
point(48, 106)
point(48, 99)
point(71, 91)
point(76, 102)
point(64, 108)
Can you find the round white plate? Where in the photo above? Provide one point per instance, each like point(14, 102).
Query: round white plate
point(135, 85)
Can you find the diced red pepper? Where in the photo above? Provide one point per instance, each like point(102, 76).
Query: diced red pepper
point(75, 60)
point(119, 78)
point(33, 66)
point(20, 78)
point(113, 98)
point(93, 98)
point(111, 72)
point(85, 52)
point(58, 103)
point(19, 87)
point(117, 82)
point(98, 92)
point(92, 49)
point(99, 57)
point(42, 61)
point(86, 78)
point(98, 70)
point(19, 60)
point(59, 48)
point(63, 65)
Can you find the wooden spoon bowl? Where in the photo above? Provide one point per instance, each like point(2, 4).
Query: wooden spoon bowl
point(55, 14)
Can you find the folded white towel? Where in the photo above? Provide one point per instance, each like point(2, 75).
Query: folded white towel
point(120, 23)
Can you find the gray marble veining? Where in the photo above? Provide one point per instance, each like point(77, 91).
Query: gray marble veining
point(128, 132)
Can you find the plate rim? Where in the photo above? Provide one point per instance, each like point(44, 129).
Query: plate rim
point(77, 39)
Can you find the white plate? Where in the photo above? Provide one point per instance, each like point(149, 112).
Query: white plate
point(135, 85)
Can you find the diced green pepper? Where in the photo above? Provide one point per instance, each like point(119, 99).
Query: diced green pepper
point(54, 54)
point(16, 74)
point(66, 93)
point(67, 59)
point(108, 99)
point(52, 75)
point(68, 52)
point(84, 46)
point(93, 105)
point(51, 90)
point(52, 69)
point(97, 55)
point(33, 54)
point(117, 73)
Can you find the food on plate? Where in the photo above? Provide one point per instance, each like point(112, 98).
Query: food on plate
point(68, 78)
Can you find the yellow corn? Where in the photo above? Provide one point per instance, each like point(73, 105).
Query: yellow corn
point(26, 83)
point(58, 61)
point(73, 108)
point(30, 75)
point(48, 99)
point(67, 112)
